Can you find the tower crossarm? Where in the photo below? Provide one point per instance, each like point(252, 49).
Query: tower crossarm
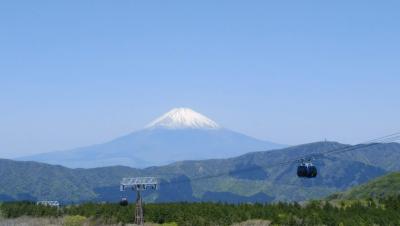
point(139, 183)
point(48, 203)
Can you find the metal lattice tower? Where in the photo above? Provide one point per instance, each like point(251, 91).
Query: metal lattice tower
point(139, 184)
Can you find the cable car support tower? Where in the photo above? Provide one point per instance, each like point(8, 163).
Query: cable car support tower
point(139, 184)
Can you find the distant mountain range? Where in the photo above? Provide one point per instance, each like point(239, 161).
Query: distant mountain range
point(180, 134)
point(253, 177)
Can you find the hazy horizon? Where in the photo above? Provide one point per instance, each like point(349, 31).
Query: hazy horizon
point(76, 73)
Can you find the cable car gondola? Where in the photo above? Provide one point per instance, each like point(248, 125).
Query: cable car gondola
point(123, 202)
point(306, 169)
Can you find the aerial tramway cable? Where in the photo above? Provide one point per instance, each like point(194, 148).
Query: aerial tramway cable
point(316, 155)
point(312, 173)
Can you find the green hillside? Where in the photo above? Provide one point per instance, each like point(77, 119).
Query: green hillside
point(385, 186)
point(253, 177)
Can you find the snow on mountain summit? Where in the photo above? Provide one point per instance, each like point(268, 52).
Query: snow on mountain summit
point(181, 118)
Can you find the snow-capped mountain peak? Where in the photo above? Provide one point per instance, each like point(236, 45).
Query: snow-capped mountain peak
point(181, 118)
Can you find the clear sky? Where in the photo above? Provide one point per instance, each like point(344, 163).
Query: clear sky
point(75, 73)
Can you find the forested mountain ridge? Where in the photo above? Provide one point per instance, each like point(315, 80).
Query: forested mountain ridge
point(381, 187)
point(253, 177)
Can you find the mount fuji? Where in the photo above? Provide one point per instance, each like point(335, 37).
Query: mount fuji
point(180, 134)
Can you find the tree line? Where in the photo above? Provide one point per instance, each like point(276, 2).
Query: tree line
point(385, 211)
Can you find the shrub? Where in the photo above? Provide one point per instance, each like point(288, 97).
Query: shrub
point(74, 220)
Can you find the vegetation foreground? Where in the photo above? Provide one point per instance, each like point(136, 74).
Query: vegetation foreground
point(383, 211)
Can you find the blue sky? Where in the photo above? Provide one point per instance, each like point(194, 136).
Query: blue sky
point(75, 73)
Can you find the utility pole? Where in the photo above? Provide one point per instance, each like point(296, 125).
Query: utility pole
point(139, 184)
